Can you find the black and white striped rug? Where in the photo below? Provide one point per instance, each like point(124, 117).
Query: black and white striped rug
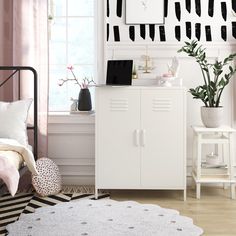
point(12, 207)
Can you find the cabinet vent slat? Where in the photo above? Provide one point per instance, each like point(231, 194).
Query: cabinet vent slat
point(161, 105)
point(119, 104)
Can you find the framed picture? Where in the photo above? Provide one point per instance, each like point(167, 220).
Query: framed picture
point(144, 12)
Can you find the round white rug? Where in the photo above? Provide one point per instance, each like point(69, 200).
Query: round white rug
point(103, 218)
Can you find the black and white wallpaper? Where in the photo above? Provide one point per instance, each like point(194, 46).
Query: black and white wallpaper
point(205, 20)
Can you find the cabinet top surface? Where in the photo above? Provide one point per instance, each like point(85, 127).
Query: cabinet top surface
point(140, 87)
point(202, 129)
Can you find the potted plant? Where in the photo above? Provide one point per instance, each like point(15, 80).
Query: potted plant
point(84, 99)
point(215, 80)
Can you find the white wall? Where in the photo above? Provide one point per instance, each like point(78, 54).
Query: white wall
point(215, 22)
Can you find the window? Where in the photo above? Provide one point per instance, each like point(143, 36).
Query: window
point(71, 41)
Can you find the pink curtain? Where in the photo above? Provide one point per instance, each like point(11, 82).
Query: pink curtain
point(6, 93)
point(30, 48)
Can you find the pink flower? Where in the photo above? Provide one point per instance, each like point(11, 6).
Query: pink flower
point(83, 85)
point(70, 67)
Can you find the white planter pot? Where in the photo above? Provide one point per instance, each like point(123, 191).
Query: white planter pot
point(212, 117)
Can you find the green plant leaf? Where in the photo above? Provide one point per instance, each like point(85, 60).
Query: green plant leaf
point(210, 92)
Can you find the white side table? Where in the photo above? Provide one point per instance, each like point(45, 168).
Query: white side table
point(219, 136)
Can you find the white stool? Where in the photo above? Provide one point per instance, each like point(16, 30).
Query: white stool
point(219, 136)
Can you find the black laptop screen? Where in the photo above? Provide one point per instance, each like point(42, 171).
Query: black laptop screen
point(119, 72)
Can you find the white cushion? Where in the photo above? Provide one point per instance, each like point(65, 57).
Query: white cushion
point(13, 119)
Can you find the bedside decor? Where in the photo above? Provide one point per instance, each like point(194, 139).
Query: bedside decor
point(171, 75)
point(84, 102)
point(48, 181)
point(147, 67)
point(165, 80)
point(74, 105)
point(84, 99)
point(173, 68)
point(212, 159)
point(212, 171)
point(210, 92)
point(134, 72)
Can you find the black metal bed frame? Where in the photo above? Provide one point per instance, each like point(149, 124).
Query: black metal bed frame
point(16, 70)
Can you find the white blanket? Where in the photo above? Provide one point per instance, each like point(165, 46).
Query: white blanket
point(26, 154)
point(13, 157)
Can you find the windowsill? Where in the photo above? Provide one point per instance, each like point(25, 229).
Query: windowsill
point(67, 118)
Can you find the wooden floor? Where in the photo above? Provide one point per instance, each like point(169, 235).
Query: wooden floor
point(215, 212)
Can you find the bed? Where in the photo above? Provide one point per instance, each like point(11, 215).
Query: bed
point(16, 155)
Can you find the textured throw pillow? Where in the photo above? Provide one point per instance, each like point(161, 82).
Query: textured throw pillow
point(13, 118)
point(48, 180)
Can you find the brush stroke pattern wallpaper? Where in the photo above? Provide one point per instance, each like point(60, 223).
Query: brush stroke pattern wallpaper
point(205, 20)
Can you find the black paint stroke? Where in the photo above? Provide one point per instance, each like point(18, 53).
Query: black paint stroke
point(152, 31)
point(165, 8)
point(108, 8)
point(108, 31)
point(119, 8)
point(208, 33)
point(188, 5)
point(162, 33)
point(178, 32)
point(143, 31)
point(234, 29)
point(178, 10)
point(132, 33)
point(224, 32)
point(234, 5)
point(188, 29)
point(198, 7)
point(198, 31)
point(116, 33)
point(224, 10)
point(211, 8)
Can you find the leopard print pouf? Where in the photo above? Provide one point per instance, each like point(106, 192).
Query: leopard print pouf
point(48, 181)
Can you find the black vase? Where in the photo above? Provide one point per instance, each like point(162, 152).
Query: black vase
point(84, 103)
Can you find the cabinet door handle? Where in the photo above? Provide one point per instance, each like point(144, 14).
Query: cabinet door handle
point(136, 137)
point(143, 137)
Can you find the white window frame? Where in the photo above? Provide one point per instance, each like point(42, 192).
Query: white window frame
point(99, 47)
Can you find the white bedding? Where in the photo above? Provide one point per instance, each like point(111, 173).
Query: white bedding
point(17, 154)
point(12, 156)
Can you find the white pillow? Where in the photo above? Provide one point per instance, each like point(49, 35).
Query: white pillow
point(13, 119)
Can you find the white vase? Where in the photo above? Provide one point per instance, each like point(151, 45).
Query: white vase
point(212, 117)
